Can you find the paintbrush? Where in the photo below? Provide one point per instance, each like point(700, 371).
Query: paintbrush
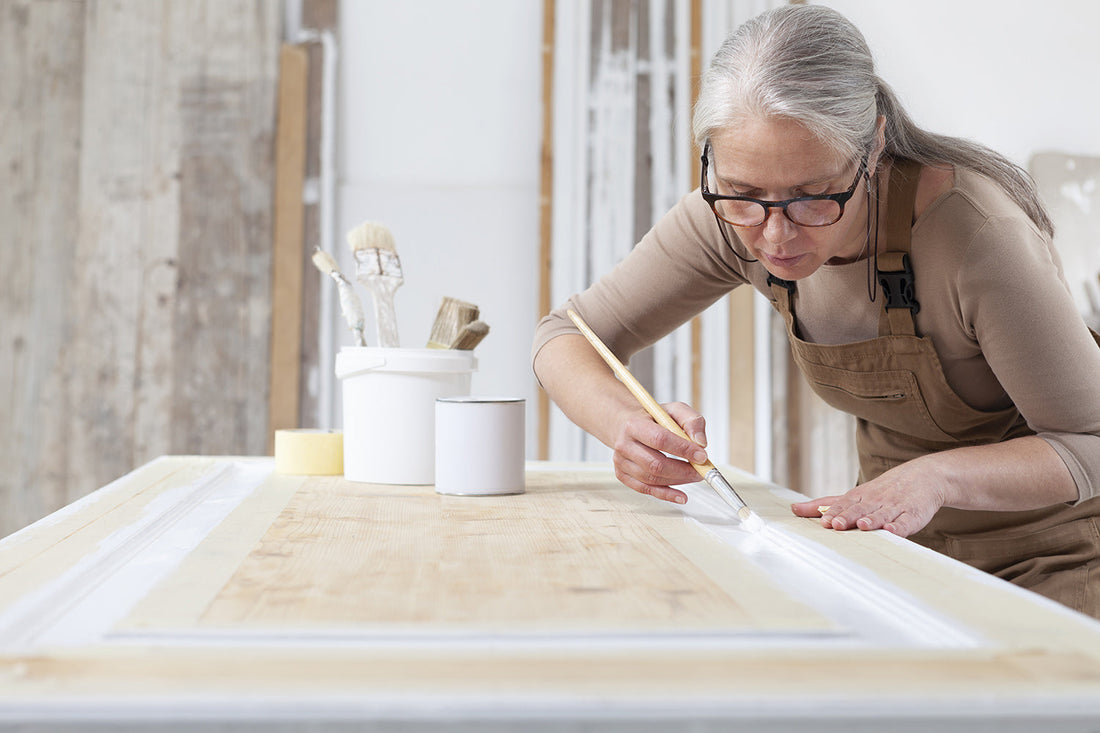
point(453, 316)
point(470, 336)
point(749, 519)
point(350, 305)
point(378, 267)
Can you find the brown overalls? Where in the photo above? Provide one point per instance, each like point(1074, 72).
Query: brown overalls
point(894, 385)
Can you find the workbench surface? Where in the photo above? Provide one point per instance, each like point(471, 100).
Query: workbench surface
point(208, 593)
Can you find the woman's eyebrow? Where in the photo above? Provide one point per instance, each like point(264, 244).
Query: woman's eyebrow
point(733, 183)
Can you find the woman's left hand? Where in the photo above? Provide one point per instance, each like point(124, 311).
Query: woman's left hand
point(903, 500)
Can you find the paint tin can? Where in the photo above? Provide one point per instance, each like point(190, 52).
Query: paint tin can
point(479, 445)
point(389, 409)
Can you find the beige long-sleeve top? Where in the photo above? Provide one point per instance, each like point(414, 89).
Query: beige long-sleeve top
point(993, 297)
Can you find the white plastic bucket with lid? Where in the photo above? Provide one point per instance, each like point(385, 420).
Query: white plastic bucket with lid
point(389, 409)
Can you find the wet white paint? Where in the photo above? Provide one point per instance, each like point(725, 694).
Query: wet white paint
point(831, 584)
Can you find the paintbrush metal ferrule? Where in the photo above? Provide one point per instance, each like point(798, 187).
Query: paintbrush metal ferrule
point(749, 519)
point(718, 482)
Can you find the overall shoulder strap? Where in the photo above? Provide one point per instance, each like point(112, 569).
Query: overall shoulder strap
point(894, 271)
point(782, 292)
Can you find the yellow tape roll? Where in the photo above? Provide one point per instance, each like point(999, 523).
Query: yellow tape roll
point(310, 452)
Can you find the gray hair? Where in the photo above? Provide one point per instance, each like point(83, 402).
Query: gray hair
point(809, 64)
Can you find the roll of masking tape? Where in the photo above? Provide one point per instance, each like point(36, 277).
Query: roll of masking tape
point(309, 452)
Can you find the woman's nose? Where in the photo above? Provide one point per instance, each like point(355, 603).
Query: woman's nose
point(777, 227)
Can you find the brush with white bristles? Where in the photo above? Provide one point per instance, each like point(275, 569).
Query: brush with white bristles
point(378, 267)
point(349, 301)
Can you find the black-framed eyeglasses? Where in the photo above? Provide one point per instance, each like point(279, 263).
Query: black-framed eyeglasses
point(819, 210)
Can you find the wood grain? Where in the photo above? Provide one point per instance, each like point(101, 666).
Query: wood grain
point(573, 554)
point(135, 268)
point(318, 16)
point(287, 267)
point(41, 82)
point(227, 101)
point(546, 208)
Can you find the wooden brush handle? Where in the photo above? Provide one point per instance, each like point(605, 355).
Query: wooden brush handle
point(640, 393)
point(470, 336)
point(453, 315)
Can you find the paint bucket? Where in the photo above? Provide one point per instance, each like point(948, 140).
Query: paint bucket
point(389, 409)
point(479, 445)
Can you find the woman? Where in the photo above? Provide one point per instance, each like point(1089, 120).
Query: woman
point(921, 293)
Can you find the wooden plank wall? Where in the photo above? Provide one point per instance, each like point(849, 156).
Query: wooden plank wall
point(318, 16)
point(620, 158)
point(135, 266)
point(287, 267)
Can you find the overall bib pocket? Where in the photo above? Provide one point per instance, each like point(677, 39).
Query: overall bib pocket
point(890, 399)
point(1055, 561)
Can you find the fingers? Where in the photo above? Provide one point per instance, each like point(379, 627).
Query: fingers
point(853, 511)
point(842, 514)
point(905, 524)
point(655, 476)
point(662, 492)
point(690, 420)
point(814, 507)
point(651, 460)
point(651, 437)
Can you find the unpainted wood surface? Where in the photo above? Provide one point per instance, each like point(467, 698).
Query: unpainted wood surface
point(136, 149)
point(574, 553)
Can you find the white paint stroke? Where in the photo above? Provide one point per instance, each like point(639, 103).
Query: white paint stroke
point(82, 603)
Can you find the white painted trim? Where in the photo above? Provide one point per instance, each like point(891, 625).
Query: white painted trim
point(81, 605)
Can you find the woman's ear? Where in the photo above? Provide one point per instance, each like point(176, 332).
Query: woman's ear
point(879, 146)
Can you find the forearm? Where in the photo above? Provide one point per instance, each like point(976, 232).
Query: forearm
point(1016, 475)
point(647, 457)
point(582, 385)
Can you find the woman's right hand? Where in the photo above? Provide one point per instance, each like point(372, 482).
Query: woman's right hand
point(641, 446)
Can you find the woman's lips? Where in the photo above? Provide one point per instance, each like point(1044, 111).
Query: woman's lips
point(786, 262)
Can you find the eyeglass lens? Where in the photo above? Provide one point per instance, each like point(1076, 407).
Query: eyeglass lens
point(815, 212)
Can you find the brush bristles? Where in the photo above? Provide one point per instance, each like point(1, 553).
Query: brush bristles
point(324, 261)
point(750, 520)
point(370, 235)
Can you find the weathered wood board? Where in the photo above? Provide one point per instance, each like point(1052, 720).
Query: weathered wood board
point(135, 266)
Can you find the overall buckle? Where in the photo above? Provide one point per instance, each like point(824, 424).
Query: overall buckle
point(789, 285)
point(897, 286)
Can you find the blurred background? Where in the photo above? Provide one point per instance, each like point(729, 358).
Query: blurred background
point(169, 165)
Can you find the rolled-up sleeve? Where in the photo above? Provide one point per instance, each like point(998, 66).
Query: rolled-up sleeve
point(1036, 343)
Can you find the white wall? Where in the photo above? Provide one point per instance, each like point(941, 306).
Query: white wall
point(1016, 75)
point(439, 135)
